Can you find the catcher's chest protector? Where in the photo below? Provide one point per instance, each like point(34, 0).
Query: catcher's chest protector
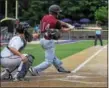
point(24, 44)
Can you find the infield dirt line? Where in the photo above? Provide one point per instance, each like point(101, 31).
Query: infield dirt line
point(73, 61)
point(85, 82)
point(87, 60)
point(82, 78)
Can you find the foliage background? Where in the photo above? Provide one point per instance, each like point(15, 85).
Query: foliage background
point(33, 10)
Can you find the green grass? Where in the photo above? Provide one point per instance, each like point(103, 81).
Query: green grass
point(36, 51)
point(62, 51)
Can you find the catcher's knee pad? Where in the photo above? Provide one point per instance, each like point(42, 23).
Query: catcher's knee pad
point(24, 67)
point(30, 59)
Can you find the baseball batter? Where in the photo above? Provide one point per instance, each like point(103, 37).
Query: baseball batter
point(12, 58)
point(50, 28)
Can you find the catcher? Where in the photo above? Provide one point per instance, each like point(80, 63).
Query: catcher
point(12, 58)
point(50, 28)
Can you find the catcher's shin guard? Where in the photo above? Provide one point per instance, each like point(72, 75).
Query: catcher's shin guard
point(24, 67)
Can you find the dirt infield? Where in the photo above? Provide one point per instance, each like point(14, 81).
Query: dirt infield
point(89, 69)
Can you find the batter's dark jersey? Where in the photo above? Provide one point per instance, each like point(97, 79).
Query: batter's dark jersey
point(49, 22)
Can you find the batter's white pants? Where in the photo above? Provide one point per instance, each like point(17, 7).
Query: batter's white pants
point(50, 58)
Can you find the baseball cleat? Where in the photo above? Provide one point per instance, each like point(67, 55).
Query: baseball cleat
point(32, 72)
point(64, 71)
point(15, 79)
point(6, 75)
point(61, 69)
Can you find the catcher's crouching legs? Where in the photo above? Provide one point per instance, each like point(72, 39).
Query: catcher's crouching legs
point(23, 68)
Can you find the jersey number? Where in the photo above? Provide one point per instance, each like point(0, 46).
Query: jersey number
point(44, 26)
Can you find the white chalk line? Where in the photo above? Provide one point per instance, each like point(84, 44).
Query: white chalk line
point(85, 82)
point(79, 76)
point(86, 61)
point(69, 42)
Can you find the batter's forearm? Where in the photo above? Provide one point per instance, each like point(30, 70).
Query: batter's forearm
point(65, 29)
point(63, 24)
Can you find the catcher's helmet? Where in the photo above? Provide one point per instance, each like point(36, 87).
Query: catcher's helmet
point(20, 28)
point(54, 9)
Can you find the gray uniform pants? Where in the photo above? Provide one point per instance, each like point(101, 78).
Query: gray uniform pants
point(50, 58)
point(11, 63)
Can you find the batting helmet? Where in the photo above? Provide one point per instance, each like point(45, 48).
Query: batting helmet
point(54, 9)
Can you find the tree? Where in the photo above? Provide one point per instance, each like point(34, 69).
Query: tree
point(36, 10)
point(81, 8)
point(101, 14)
point(74, 9)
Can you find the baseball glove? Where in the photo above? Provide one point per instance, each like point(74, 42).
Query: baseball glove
point(54, 34)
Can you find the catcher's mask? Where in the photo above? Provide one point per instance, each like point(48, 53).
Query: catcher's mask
point(20, 28)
